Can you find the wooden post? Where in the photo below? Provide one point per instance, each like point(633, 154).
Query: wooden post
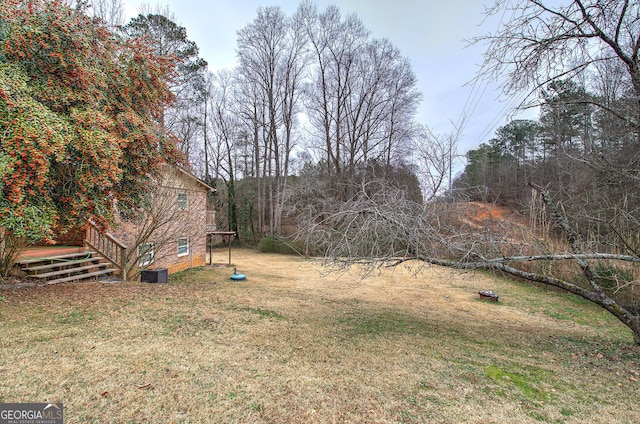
point(123, 263)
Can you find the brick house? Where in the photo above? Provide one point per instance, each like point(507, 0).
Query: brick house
point(173, 234)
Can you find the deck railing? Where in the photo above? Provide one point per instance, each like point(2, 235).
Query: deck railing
point(108, 246)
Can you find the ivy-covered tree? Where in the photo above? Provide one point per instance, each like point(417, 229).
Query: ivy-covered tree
point(80, 117)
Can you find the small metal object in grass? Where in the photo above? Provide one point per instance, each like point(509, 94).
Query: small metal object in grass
point(488, 295)
point(237, 277)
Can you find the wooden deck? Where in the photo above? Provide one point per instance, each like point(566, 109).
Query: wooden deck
point(60, 264)
point(41, 252)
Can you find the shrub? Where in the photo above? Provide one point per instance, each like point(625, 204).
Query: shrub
point(273, 244)
point(267, 244)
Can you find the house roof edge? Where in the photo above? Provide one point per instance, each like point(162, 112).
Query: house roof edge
point(190, 175)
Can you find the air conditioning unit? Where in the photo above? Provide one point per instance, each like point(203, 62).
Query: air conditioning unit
point(160, 275)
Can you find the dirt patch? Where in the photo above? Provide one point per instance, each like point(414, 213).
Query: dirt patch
point(487, 212)
point(487, 216)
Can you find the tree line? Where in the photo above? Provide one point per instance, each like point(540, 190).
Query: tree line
point(314, 95)
point(580, 65)
point(313, 91)
point(586, 155)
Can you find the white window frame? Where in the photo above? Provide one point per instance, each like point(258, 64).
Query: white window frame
point(142, 255)
point(183, 250)
point(183, 201)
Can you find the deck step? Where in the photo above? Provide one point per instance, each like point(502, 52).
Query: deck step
point(53, 258)
point(70, 270)
point(67, 264)
point(82, 276)
point(65, 267)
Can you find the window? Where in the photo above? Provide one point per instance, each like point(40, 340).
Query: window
point(145, 254)
point(183, 246)
point(182, 202)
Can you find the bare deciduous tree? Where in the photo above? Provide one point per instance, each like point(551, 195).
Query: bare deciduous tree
point(271, 53)
point(434, 156)
point(580, 58)
point(362, 98)
point(110, 11)
point(226, 132)
point(162, 221)
point(547, 41)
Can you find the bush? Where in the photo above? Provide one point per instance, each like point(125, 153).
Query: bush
point(267, 244)
point(273, 244)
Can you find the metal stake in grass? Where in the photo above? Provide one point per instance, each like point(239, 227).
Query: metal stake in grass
point(237, 277)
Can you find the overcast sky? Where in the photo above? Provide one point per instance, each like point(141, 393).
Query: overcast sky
point(431, 33)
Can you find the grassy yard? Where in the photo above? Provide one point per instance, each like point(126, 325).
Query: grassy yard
point(292, 344)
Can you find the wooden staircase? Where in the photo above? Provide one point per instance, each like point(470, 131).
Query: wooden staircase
point(67, 267)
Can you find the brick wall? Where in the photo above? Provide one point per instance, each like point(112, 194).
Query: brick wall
point(168, 221)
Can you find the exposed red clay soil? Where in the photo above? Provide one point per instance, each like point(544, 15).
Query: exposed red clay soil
point(488, 215)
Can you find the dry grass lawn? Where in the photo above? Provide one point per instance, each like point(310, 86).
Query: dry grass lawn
point(292, 344)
